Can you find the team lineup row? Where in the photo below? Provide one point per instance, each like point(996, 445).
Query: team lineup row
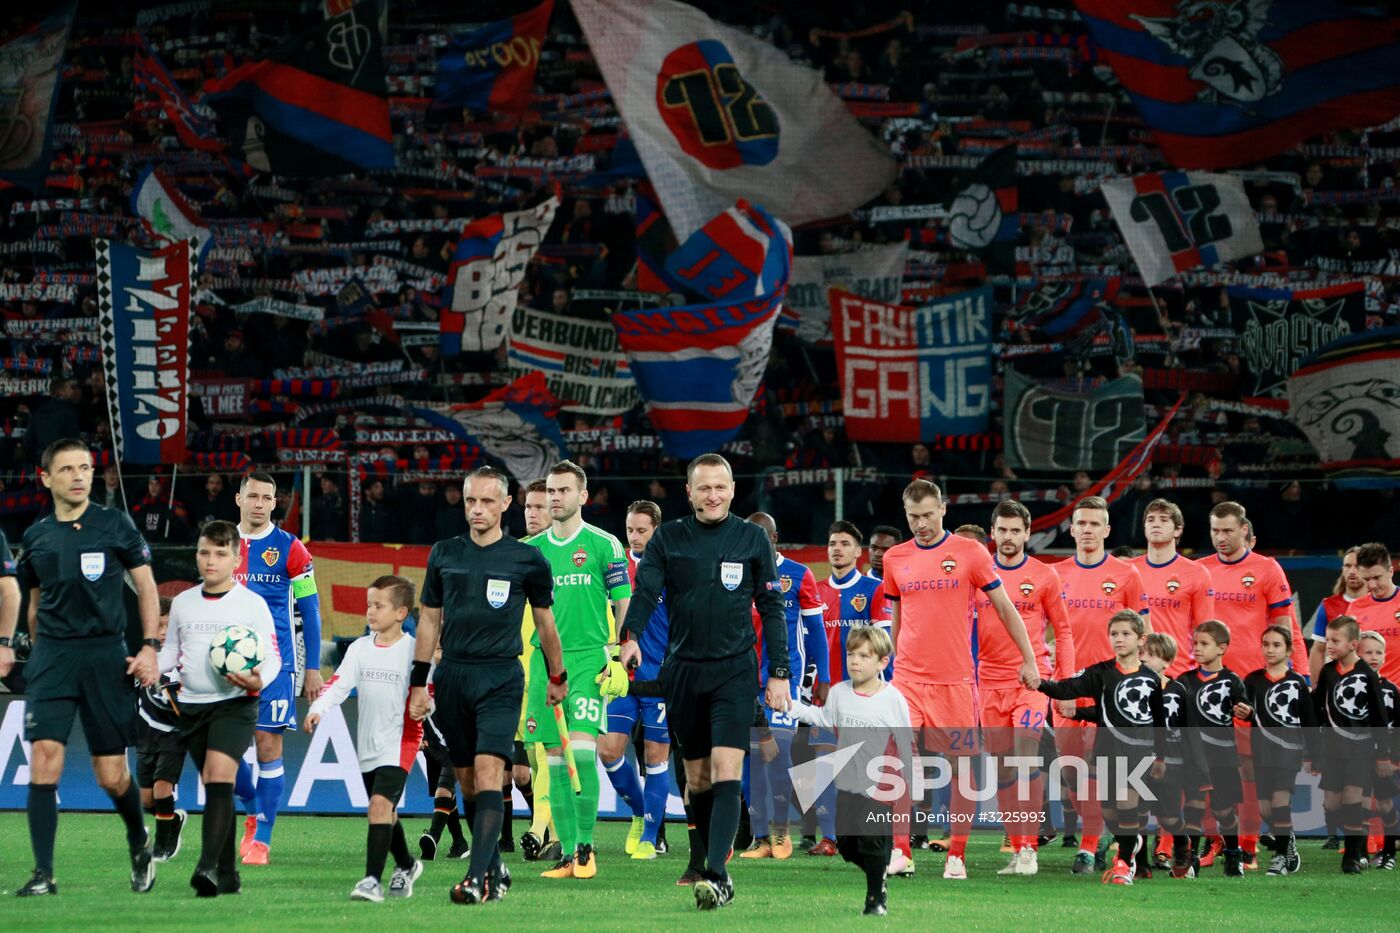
point(709, 590)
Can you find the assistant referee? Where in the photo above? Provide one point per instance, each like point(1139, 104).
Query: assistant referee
point(715, 569)
point(474, 595)
point(72, 564)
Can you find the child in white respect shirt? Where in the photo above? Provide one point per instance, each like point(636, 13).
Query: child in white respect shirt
point(386, 738)
point(868, 715)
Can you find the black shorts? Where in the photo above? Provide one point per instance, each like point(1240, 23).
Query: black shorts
point(1345, 766)
point(859, 835)
point(1167, 792)
point(521, 756)
point(1269, 780)
point(478, 708)
point(710, 703)
point(160, 756)
point(225, 726)
point(87, 678)
point(386, 782)
point(1225, 789)
point(1387, 788)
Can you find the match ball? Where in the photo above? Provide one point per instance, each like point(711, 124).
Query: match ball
point(236, 650)
point(974, 218)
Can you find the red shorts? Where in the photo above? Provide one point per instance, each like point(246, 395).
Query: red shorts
point(1244, 741)
point(1078, 741)
point(947, 714)
point(1008, 708)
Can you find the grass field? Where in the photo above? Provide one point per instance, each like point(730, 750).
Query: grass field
point(317, 860)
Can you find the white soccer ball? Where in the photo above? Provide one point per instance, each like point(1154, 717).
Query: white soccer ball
point(236, 650)
point(974, 218)
point(1350, 696)
point(1132, 700)
point(1211, 702)
point(1279, 702)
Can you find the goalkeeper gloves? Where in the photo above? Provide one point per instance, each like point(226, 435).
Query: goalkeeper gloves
point(612, 680)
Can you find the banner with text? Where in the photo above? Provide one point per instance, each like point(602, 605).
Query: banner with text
point(487, 269)
point(908, 374)
point(581, 361)
point(876, 273)
point(143, 299)
point(1280, 326)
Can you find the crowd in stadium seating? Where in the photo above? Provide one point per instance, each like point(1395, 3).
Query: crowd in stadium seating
point(594, 233)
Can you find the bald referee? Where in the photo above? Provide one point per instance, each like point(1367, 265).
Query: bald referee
point(474, 595)
point(72, 563)
point(715, 568)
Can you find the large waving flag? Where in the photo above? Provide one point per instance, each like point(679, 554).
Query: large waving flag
point(1229, 83)
point(514, 424)
point(317, 106)
point(31, 66)
point(487, 269)
point(699, 366)
point(1174, 221)
point(982, 215)
point(492, 68)
point(719, 115)
point(193, 126)
point(166, 212)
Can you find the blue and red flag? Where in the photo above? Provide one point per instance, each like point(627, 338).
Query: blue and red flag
point(194, 128)
point(1226, 84)
point(699, 366)
point(144, 303)
point(744, 252)
point(492, 69)
point(655, 240)
point(315, 107)
point(1060, 310)
point(478, 244)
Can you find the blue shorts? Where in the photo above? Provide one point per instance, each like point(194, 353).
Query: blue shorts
point(820, 735)
point(277, 704)
point(624, 711)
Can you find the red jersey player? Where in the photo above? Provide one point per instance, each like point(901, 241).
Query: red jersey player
point(1379, 610)
point(1177, 589)
point(1012, 716)
point(928, 580)
point(1347, 590)
point(1096, 585)
point(1251, 593)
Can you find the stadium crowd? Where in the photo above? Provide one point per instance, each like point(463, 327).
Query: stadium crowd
point(932, 92)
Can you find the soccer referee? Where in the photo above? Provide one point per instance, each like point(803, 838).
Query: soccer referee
point(474, 595)
point(72, 564)
point(715, 568)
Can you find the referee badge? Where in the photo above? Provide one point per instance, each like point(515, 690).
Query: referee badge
point(93, 563)
point(730, 574)
point(497, 592)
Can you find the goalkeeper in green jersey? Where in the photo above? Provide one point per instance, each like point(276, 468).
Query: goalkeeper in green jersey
point(590, 568)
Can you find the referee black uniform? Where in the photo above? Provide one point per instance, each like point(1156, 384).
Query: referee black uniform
point(478, 684)
point(78, 667)
point(714, 575)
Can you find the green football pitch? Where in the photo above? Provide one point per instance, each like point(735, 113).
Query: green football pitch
point(317, 860)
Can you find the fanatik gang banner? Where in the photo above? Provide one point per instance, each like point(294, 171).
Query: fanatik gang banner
point(143, 301)
point(910, 373)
